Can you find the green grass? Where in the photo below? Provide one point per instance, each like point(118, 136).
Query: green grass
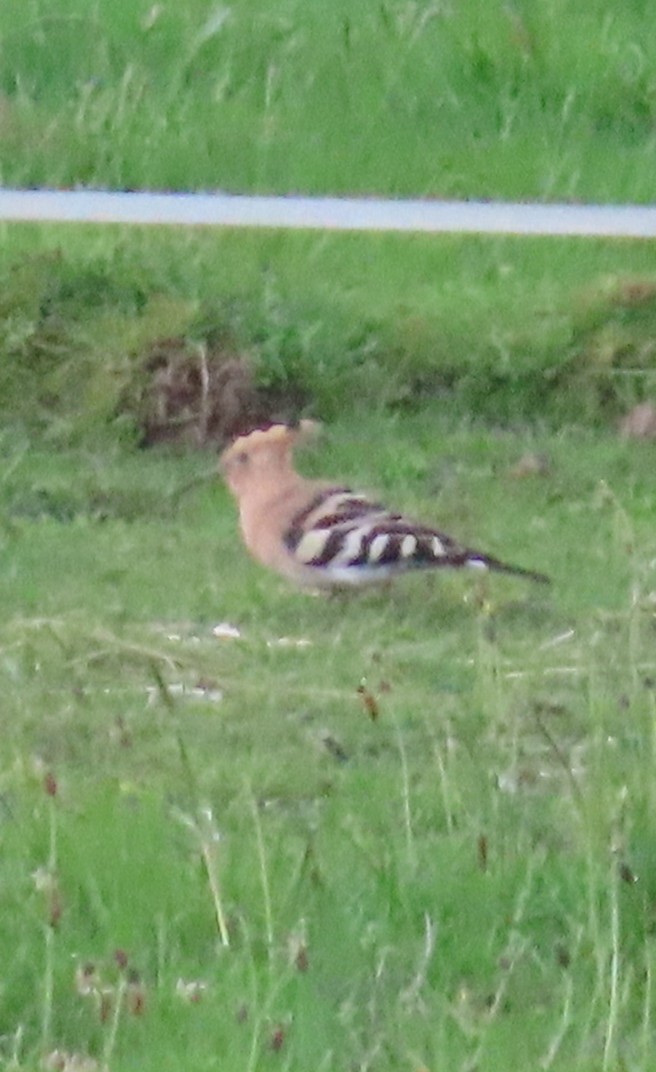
point(465, 100)
point(450, 884)
point(510, 330)
point(212, 856)
point(528, 101)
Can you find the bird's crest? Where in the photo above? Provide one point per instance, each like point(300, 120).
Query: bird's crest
point(276, 435)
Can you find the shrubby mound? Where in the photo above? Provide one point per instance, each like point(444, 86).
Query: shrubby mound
point(95, 350)
point(202, 394)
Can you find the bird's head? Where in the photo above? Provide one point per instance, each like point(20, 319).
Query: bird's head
point(264, 456)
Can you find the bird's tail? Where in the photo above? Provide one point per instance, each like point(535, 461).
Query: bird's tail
point(480, 561)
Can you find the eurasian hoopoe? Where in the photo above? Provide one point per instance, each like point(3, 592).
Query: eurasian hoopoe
point(327, 535)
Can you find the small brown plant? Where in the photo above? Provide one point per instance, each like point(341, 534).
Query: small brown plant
point(202, 393)
point(369, 702)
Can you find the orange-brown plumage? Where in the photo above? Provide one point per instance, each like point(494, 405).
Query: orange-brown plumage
point(326, 535)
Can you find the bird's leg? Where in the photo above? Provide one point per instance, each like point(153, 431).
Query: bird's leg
point(480, 595)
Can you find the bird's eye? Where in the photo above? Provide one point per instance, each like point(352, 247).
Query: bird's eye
point(242, 457)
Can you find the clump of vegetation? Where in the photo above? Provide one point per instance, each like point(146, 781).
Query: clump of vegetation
point(85, 358)
point(612, 362)
point(93, 350)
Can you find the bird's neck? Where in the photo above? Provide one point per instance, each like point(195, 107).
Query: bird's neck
point(270, 495)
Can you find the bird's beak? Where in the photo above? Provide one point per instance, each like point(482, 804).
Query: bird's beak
point(308, 430)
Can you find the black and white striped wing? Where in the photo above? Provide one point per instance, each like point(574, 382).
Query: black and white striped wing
point(348, 539)
point(354, 539)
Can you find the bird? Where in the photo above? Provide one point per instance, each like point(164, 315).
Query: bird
point(325, 535)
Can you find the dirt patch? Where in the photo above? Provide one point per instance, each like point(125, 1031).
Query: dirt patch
point(203, 394)
point(640, 422)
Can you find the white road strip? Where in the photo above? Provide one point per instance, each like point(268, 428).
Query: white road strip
point(328, 213)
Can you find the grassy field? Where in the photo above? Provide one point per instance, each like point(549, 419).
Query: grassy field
point(530, 101)
point(525, 100)
point(246, 829)
point(454, 868)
